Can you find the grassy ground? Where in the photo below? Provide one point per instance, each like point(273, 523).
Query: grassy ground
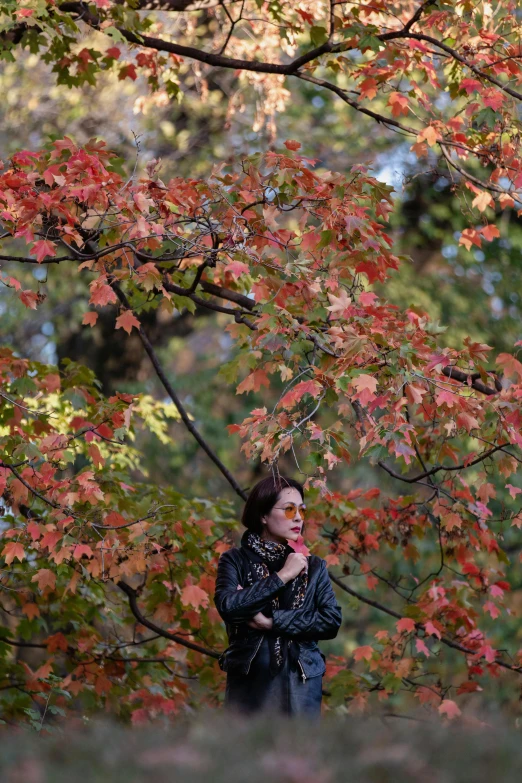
point(218, 748)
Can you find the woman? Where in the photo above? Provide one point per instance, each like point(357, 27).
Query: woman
point(276, 604)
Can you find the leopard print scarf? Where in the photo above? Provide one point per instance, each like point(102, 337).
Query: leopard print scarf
point(273, 556)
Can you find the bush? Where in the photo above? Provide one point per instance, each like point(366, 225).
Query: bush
point(210, 747)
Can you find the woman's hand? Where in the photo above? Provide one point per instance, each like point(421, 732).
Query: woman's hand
point(259, 620)
point(294, 564)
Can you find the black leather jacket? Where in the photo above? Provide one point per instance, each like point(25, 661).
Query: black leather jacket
point(318, 618)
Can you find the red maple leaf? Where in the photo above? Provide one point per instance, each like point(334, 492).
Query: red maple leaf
point(43, 248)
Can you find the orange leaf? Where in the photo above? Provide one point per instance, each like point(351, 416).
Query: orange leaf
point(11, 550)
point(253, 382)
point(470, 237)
point(126, 321)
point(371, 582)
point(429, 135)
point(511, 365)
point(399, 104)
point(405, 624)
point(451, 521)
point(56, 642)
point(101, 293)
point(31, 611)
point(332, 560)
point(368, 88)
point(45, 578)
point(82, 549)
point(490, 232)
point(19, 491)
point(365, 382)
point(338, 304)
point(366, 386)
point(50, 539)
point(415, 393)
point(192, 595)
point(365, 652)
point(506, 201)
point(467, 421)
point(237, 269)
point(298, 391)
point(95, 455)
point(90, 318)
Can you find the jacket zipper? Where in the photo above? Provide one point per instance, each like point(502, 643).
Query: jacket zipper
point(302, 670)
point(254, 655)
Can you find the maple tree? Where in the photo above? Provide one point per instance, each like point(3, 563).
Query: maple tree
point(96, 559)
point(389, 61)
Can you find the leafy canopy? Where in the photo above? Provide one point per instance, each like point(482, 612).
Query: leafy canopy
point(100, 562)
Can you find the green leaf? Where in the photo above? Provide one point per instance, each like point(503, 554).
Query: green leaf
point(327, 237)
point(183, 301)
point(114, 34)
point(370, 42)
point(318, 35)
point(229, 371)
point(486, 117)
point(391, 682)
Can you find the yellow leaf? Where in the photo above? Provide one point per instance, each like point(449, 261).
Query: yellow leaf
point(482, 201)
point(429, 135)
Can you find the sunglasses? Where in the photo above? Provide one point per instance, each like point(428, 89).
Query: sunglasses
point(291, 508)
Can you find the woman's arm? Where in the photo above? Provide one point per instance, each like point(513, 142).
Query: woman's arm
point(310, 624)
point(237, 606)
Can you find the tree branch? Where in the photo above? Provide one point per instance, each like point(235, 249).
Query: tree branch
point(133, 604)
point(418, 626)
point(452, 372)
point(221, 61)
point(456, 56)
point(174, 397)
point(438, 468)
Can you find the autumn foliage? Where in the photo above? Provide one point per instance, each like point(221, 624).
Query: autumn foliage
point(112, 577)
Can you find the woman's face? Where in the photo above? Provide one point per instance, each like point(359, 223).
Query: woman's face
point(277, 526)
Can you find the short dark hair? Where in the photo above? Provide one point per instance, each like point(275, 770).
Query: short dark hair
point(263, 497)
